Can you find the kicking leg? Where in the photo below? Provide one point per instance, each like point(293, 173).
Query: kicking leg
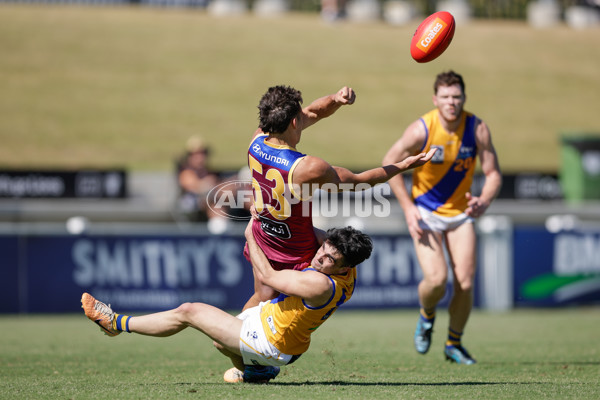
point(220, 326)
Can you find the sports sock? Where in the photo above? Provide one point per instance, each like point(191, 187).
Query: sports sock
point(453, 338)
point(427, 315)
point(121, 322)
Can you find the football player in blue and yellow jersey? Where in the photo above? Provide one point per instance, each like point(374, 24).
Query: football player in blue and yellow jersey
point(440, 209)
point(275, 333)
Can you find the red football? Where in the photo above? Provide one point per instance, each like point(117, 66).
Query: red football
point(432, 37)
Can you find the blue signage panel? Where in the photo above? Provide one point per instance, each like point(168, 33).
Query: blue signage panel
point(9, 267)
point(137, 273)
point(141, 273)
point(554, 269)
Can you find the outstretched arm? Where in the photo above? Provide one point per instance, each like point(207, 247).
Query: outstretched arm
point(325, 106)
point(322, 107)
point(383, 174)
point(318, 173)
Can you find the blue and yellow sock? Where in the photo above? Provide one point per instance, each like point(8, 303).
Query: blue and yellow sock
point(453, 338)
point(428, 315)
point(121, 322)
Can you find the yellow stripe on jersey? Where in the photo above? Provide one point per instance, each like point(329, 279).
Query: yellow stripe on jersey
point(441, 185)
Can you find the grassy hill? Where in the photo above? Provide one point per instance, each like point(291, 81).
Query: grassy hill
point(126, 86)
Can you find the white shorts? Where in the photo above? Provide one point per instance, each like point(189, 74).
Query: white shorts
point(430, 221)
point(254, 346)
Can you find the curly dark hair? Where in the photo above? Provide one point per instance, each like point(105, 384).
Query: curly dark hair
point(354, 245)
point(277, 107)
point(448, 78)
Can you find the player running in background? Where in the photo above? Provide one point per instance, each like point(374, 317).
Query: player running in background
point(440, 210)
point(272, 334)
point(284, 179)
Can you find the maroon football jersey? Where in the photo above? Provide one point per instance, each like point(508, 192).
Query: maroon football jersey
point(284, 231)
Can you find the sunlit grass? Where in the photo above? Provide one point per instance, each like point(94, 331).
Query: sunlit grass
point(524, 354)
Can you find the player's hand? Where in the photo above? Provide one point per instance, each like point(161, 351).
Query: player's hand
point(417, 160)
point(413, 218)
point(476, 206)
point(345, 95)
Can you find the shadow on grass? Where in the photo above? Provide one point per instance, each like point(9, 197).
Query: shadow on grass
point(561, 363)
point(344, 383)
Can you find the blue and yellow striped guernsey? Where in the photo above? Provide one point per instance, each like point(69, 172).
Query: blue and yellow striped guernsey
point(288, 322)
point(441, 185)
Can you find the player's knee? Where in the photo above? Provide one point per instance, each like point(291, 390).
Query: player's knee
point(464, 285)
point(437, 282)
point(184, 311)
point(218, 346)
point(439, 290)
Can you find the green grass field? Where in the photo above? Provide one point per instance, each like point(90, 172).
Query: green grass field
point(85, 86)
point(525, 354)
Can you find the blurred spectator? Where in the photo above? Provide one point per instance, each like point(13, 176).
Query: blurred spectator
point(333, 10)
point(219, 208)
point(195, 179)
